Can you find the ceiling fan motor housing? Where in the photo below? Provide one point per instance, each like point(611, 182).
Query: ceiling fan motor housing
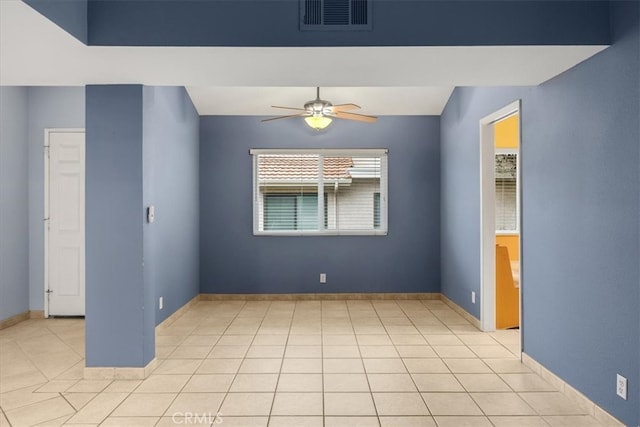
point(318, 107)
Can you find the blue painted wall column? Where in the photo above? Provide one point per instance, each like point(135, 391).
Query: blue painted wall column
point(118, 332)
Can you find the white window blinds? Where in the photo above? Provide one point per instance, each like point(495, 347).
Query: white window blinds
point(308, 192)
point(506, 176)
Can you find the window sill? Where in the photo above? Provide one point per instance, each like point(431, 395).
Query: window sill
point(507, 232)
point(322, 233)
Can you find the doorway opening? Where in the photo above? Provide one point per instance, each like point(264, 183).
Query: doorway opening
point(64, 222)
point(500, 189)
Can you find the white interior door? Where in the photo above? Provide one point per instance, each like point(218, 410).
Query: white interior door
point(65, 225)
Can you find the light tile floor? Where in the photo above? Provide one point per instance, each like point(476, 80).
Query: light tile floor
point(286, 363)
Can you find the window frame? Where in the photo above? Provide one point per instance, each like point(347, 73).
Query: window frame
point(382, 153)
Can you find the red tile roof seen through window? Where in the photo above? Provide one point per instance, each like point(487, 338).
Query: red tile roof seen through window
point(302, 167)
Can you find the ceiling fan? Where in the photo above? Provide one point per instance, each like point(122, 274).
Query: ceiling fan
point(319, 113)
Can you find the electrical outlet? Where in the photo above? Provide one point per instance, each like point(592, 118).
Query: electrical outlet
point(161, 302)
point(473, 297)
point(621, 386)
point(323, 277)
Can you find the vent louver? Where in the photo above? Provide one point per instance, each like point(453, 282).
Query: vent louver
point(330, 15)
point(336, 12)
point(312, 12)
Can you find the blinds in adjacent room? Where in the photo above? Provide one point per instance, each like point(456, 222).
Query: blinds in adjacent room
point(287, 184)
point(506, 175)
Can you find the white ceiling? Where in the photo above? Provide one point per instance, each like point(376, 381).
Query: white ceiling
point(246, 81)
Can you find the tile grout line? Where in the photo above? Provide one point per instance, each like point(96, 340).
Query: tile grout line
point(366, 373)
point(178, 393)
point(75, 411)
point(64, 342)
point(34, 364)
point(430, 346)
point(4, 414)
point(244, 357)
point(203, 320)
point(450, 372)
point(275, 390)
point(467, 392)
point(393, 321)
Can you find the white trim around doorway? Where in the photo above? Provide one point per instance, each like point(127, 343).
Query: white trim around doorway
point(487, 216)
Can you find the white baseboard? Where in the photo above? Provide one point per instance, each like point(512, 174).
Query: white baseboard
point(321, 296)
point(125, 373)
point(461, 311)
point(21, 317)
point(179, 312)
point(574, 395)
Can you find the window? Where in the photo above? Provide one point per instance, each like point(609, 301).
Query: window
point(506, 176)
point(287, 184)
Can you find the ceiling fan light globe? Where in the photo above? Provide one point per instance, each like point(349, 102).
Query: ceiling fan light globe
point(318, 122)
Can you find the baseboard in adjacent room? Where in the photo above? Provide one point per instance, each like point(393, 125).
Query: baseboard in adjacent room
point(36, 314)
point(21, 317)
point(14, 320)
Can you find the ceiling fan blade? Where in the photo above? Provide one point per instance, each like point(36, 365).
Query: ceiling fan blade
point(358, 117)
point(288, 108)
point(344, 107)
point(284, 117)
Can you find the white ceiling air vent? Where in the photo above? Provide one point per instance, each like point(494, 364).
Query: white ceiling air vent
point(331, 15)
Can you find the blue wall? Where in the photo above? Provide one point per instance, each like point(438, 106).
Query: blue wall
point(48, 107)
point(171, 243)
point(395, 23)
point(14, 202)
point(581, 204)
point(119, 328)
point(460, 201)
point(70, 15)
point(234, 261)
point(43, 107)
